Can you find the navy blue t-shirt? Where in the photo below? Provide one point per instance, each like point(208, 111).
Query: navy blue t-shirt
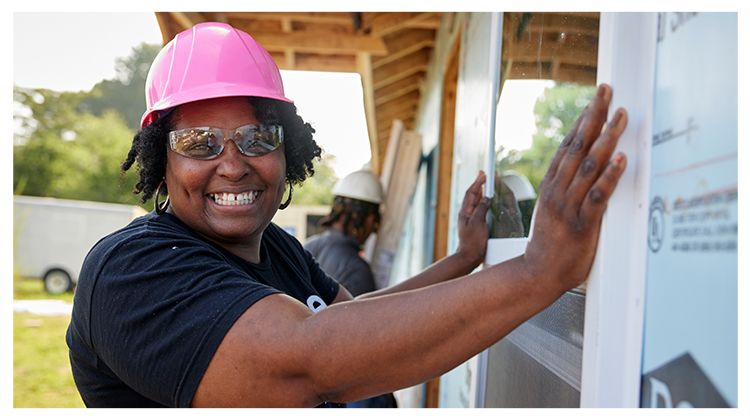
point(155, 299)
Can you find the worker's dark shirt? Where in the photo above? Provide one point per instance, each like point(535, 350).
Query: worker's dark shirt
point(154, 300)
point(338, 256)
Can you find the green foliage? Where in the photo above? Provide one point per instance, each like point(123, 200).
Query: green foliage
point(71, 144)
point(41, 369)
point(555, 112)
point(81, 164)
point(126, 93)
point(319, 188)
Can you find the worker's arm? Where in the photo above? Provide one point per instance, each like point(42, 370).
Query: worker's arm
point(278, 353)
point(472, 245)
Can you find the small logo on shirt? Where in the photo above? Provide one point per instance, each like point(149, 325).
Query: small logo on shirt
point(315, 303)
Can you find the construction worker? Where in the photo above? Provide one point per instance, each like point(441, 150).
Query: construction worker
point(355, 214)
point(206, 303)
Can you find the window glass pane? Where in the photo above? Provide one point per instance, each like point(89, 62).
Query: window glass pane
point(548, 75)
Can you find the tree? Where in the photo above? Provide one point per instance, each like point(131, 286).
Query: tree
point(555, 112)
point(83, 165)
point(318, 189)
point(126, 93)
point(71, 144)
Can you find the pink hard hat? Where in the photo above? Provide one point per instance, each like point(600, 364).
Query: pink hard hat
point(209, 60)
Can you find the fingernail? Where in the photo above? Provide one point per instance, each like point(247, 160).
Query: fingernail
point(617, 118)
point(601, 91)
point(618, 160)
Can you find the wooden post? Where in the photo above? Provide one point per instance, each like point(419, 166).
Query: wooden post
point(445, 172)
point(399, 179)
point(364, 66)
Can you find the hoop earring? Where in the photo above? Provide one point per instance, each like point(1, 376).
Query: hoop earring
point(160, 208)
point(288, 201)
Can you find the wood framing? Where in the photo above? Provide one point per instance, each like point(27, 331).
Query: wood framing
point(364, 65)
point(445, 174)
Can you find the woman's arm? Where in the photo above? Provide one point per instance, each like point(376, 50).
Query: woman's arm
point(472, 245)
point(280, 354)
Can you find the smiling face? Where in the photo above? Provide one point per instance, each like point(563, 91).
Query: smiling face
point(231, 198)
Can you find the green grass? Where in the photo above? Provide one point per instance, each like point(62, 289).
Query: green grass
point(41, 370)
point(25, 288)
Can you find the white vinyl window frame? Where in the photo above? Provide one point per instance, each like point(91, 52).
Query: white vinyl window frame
point(613, 323)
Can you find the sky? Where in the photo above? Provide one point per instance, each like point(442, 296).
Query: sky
point(58, 51)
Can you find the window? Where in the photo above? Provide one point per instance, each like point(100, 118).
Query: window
point(547, 76)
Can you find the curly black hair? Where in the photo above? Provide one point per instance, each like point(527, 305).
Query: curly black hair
point(149, 146)
point(353, 212)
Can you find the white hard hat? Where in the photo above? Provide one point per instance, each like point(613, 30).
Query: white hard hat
point(519, 184)
point(360, 185)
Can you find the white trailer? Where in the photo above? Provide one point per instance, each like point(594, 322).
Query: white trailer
point(51, 236)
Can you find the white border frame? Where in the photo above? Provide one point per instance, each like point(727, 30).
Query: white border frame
point(613, 323)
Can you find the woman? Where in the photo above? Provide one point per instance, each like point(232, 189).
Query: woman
point(205, 302)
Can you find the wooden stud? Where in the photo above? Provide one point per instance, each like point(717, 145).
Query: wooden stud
point(364, 65)
point(164, 19)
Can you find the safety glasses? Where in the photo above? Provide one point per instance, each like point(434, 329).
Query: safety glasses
point(206, 143)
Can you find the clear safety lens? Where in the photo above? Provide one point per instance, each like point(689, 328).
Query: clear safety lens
point(208, 142)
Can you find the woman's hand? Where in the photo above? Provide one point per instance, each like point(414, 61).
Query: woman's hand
point(472, 223)
point(574, 195)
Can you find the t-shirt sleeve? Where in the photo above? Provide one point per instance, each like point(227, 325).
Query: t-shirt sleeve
point(160, 309)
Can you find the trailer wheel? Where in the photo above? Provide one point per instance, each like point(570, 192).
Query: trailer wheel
point(57, 281)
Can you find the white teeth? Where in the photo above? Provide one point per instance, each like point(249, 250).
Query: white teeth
point(231, 199)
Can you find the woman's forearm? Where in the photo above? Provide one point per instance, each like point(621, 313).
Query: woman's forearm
point(447, 268)
point(401, 339)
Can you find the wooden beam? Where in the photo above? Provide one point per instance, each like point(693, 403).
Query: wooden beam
point(164, 20)
point(395, 109)
point(402, 114)
point(364, 66)
point(429, 22)
point(563, 22)
point(550, 51)
point(402, 68)
point(321, 43)
point(217, 17)
point(404, 44)
point(387, 23)
point(187, 19)
point(521, 70)
point(577, 74)
point(315, 62)
point(286, 27)
point(290, 59)
point(407, 115)
point(400, 88)
point(341, 18)
point(408, 123)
